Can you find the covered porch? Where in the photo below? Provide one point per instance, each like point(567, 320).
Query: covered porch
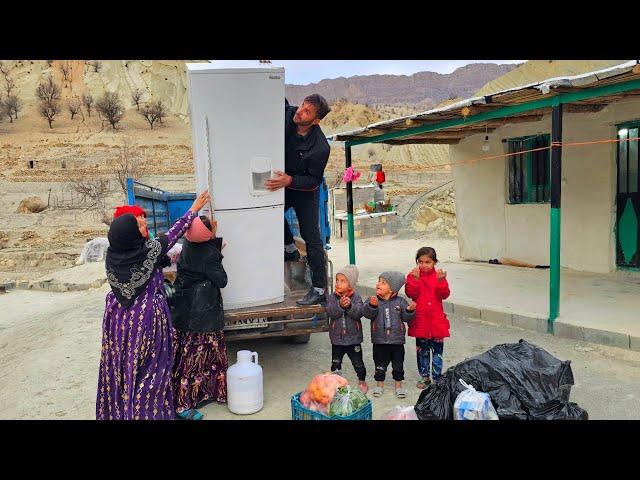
point(538, 294)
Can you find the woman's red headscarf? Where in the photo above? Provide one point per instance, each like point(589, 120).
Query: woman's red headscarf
point(135, 210)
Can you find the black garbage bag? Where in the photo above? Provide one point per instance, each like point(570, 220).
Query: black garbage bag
point(524, 382)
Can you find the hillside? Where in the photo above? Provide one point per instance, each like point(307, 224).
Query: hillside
point(538, 70)
point(159, 80)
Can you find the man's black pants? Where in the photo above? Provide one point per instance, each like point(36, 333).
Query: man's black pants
point(382, 355)
point(306, 206)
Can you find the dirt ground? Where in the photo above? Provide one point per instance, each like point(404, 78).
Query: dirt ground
point(50, 349)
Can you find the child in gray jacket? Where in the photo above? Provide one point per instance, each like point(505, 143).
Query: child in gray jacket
point(388, 313)
point(344, 308)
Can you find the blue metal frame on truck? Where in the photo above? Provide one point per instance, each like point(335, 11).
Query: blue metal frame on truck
point(162, 208)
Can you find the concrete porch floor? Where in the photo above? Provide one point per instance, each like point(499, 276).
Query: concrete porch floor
point(598, 308)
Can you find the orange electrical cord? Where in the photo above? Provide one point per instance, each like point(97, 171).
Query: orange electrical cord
point(553, 144)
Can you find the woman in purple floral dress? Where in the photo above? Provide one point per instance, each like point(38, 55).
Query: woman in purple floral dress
point(134, 379)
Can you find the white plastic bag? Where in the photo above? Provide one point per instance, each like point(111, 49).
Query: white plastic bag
point(94, 251)
point(473, 405)
point(401, 413)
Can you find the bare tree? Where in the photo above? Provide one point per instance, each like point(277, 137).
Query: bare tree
point(111, 107)
point(74, 107)
point(48, 91)
point(49, 95)
point(91, 190)
point(65, 68)
point(9, 84)
point(6, 110)
point(128, 164)
point(49, 111)
point(160, 110)
point(149, 114)
point(136, 98)
point(87, 101)
point(153, 112)
point(12, 106)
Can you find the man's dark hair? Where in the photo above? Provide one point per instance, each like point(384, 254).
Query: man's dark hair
point(318, 101)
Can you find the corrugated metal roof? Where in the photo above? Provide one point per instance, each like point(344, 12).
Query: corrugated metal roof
point(511, 96)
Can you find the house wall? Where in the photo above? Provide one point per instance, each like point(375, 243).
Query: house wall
point(488, 227)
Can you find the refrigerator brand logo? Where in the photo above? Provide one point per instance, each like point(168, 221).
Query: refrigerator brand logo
point(274, 77)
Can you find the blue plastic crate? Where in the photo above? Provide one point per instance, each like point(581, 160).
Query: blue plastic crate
point(299, 412)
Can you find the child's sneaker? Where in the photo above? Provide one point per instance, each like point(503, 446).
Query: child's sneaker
point(364, 388)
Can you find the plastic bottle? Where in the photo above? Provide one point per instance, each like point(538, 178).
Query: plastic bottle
point(245, 394)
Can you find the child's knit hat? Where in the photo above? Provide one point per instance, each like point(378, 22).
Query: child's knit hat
point(351, 273)
point(394, 279)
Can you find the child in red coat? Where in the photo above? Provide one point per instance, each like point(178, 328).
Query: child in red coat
point(428, 287)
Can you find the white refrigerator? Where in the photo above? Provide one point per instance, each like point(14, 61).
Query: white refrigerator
point(237, 122)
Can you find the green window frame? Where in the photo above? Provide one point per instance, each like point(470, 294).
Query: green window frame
point(529, 173)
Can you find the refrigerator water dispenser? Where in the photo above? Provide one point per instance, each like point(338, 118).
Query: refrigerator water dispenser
point(261, 171)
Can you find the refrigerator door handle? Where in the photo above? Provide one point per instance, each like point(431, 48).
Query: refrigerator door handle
point(208, 165)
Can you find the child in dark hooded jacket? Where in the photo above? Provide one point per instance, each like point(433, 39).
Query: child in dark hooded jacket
point(344, 308)
point(388, 313)
point(200, 368)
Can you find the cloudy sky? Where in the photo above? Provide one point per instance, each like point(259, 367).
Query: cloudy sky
point(302, 72)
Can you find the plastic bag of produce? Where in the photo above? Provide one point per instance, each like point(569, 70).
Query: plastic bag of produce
point(401, 413)
point(319, 393)
point(473, 405)
point(347, 400)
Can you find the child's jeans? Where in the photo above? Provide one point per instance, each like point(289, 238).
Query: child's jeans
point(354, 352)
point(428, 351)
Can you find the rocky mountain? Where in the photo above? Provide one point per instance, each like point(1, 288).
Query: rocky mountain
point(423, 89)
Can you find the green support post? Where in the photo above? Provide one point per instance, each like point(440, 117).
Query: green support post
point(554, 231)
point(350, 232)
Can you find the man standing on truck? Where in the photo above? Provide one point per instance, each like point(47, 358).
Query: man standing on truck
point(306, 156)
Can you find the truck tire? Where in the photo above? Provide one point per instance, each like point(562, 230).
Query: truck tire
point(299, 339)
